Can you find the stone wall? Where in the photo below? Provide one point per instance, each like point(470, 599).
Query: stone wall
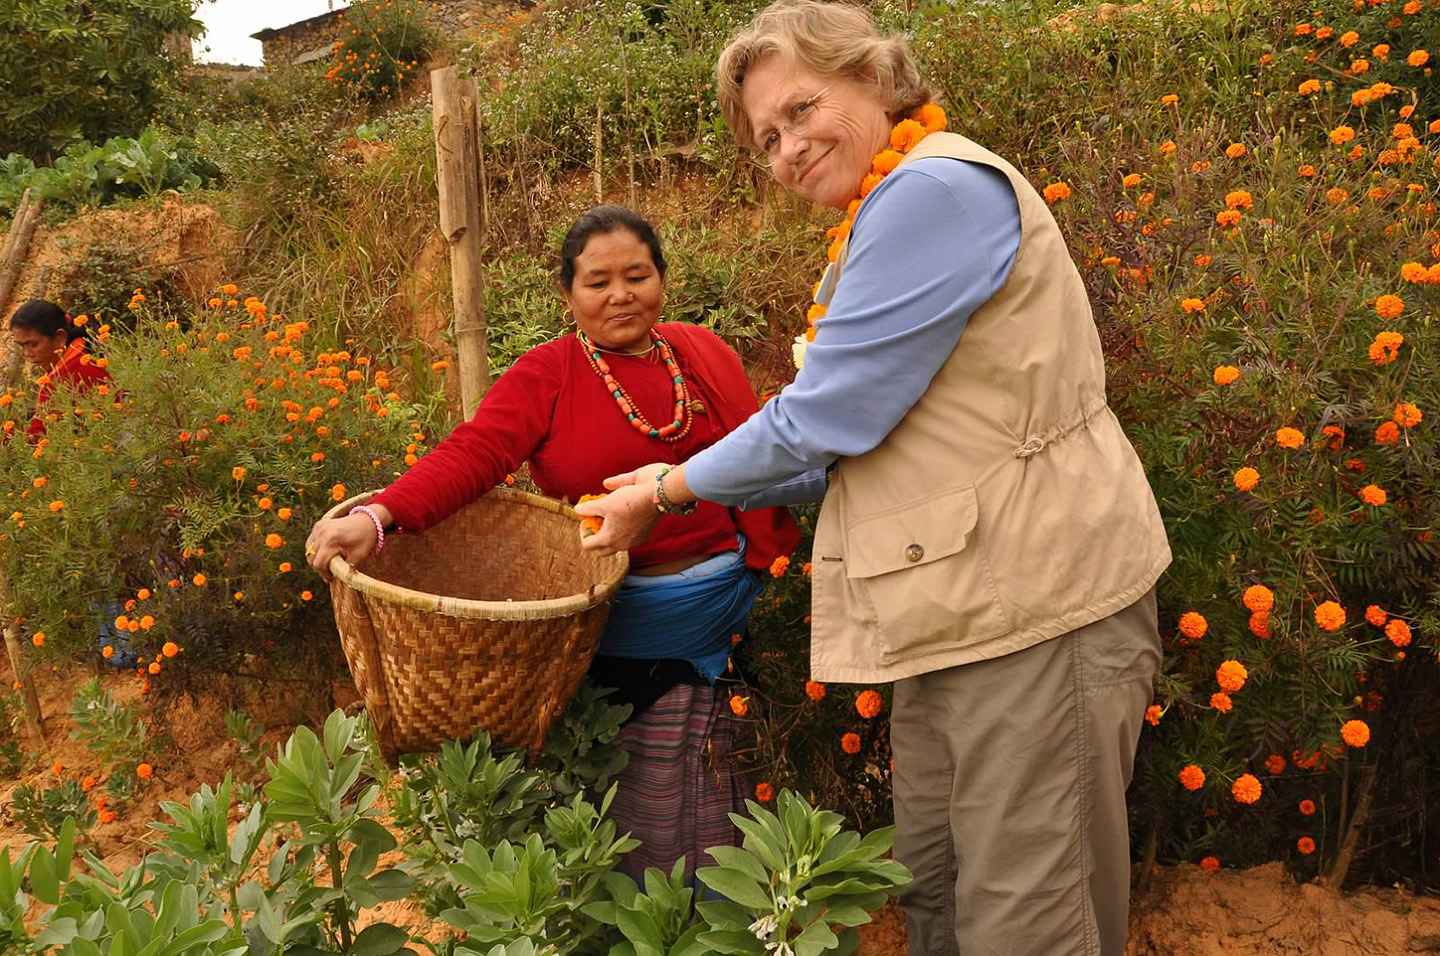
point(311, 39)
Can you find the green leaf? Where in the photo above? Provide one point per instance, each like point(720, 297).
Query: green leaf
point(737, 886)
point(639, 928)
point(379, 939)
point(44, 880)
point(392, 884)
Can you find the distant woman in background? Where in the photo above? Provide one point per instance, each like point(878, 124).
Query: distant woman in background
point(57, 347)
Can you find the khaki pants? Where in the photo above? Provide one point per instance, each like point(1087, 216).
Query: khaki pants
point(1010, 779)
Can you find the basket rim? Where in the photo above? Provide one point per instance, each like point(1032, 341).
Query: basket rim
point(350, 576)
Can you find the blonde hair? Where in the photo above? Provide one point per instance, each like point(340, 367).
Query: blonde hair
point(831, 39)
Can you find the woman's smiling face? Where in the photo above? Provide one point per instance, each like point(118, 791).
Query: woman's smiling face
point(821, 151)
point(617, 292)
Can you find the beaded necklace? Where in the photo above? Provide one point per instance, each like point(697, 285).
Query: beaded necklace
point(674, 431)
point(904, 136)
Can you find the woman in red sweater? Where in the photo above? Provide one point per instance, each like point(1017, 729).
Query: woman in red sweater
point(54, 345)
point(621, 392)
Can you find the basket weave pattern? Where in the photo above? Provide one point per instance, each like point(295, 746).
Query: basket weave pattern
point(487, 620)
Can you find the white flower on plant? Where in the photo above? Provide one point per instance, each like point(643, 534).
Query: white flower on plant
point(779, 948)
point(765, 926)
point(788, 903)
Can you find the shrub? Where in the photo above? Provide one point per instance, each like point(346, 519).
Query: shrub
point(174, 505)
point(75, 70)
point(381, 43)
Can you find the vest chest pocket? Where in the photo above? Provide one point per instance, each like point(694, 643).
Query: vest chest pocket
point(924, 572)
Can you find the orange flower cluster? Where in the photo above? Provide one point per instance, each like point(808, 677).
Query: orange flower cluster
point(1192, 777)
point(1330, 616)
point(1246, 789)
point(868, 704)
point(1231, 676)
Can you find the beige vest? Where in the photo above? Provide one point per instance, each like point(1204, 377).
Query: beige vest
point(1007, 507)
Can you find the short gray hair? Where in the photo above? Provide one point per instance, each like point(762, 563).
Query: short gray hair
point(832, 39)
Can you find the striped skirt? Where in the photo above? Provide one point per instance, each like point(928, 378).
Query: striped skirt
point(682, 781)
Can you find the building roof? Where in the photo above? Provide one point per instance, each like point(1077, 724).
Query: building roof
point(271, 32)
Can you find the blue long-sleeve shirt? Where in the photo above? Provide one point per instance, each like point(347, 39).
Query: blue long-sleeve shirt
point(931, 244)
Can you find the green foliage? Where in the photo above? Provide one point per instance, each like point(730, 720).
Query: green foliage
point(115, 733)
point(43, 813)
point(381, 43)
point(99, 279)
point(247, 733)
point(120, 168)
point(81, 71)
point(189, 491)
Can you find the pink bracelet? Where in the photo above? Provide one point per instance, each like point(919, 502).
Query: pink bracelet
point(379, 528)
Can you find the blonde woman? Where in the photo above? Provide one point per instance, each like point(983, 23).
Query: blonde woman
point(988, 539)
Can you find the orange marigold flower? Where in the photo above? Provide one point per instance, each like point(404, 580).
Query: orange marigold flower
point(1355, 733)
point(1246, 788)
point(1235, 150)
point(1407, 415)
point(56, 506)
point(1169, 99)
point(1231, 676)
point(1289, 438)
point(1275, 765)
point(1260, 624)
point(1193, 625)
point(1388, 434)
point(814, 690)
point(1386, 347)
point(144, 771)
point(1324, 33)
point(1131, 180)
point(931, 117)
point(199, 580)
point(1376, 615)
point(1341, 135)
point(107, 816)
point(170, 649)
point(273, 540)
point(779, 566)
point(306, 595)
point(1221, 702)
point(1166, 148)
point(1225, 374)
point(1057, 191)
point(108, 651)
point(739, 706)
point(284, 514)
point(1309, 87)
point(1398, 632)
point(147, 622)
point(88, 784)
point(1418, 58)
point(1373, 495)
point(1191, 304)
point(237, 473)
point(38, 639)
point(1246, 479)
point(1330, 616)
point(850, 743)
point(906, 134)
point(1192, 777)
point(285, 567)
point(1389, 306)
point(1258, 597)
point(1228, 217)
point(868, 704)
point(1238, 199)
point(1307, 807)
point(764, 792)
point(1305, 845)
point(439, 366)
point(1210, 863)
point(154, 667)
point(337, 492)
point(885, 162)
point(1413, 272)
point(1349, 38)
point(1152, 715)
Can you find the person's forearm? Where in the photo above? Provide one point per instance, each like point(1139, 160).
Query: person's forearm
point(676, 488)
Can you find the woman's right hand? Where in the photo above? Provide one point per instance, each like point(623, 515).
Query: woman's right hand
point(352, 538)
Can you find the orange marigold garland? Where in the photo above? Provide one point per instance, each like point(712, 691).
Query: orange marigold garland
point(904, 137)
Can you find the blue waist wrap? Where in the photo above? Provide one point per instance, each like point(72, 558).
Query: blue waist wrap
point(687, 616)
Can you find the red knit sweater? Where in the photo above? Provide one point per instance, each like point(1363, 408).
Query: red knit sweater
point(552, 410)
point(77, 369)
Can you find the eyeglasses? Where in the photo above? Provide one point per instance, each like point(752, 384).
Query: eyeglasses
point(801, 115)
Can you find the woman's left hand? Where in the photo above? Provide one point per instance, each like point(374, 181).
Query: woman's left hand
point(628, 510)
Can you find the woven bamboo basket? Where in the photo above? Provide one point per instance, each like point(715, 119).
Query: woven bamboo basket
point(488, 620)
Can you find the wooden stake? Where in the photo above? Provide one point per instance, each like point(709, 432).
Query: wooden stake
point(20, 210)
point(20, 667)
point(19, 250)
point(599, 153)
point(457, 175)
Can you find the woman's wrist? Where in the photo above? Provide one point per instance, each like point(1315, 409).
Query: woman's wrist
point(677, 490)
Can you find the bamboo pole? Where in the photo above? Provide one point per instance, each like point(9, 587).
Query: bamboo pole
point(19, 250)
point(598, 181)
point(457, 175)
point(20, 210)
point(19, 666)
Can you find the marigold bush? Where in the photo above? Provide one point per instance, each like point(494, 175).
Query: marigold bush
point(170, 537)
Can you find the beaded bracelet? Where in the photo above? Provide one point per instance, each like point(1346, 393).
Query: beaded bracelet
point(379, 527)
point(662, 501)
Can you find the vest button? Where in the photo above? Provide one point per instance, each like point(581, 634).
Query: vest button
point(914, 553)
